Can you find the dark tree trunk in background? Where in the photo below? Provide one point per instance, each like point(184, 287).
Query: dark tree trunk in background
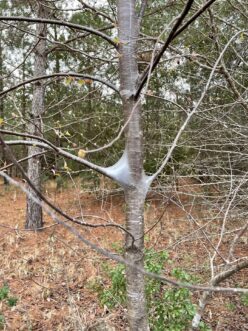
point(24, 103)
point(34, 211)
point(3, 156)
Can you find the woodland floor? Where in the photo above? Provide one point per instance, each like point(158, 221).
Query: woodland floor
point(51, 272)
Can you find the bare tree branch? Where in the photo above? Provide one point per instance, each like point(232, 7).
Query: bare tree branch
point(97, 11)
point(60, 23)
point(215, 281)
point(61, 74)
point(21, 160)
point(175, 31)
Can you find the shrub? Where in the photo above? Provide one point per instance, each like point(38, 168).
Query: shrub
point(169, 309)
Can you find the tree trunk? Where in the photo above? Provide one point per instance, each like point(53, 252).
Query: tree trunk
point(24, 103)
point(34, 211)
point(3, 157)
point(135, 191)
point(136, 300)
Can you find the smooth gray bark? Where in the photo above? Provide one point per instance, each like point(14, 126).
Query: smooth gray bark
point(132, 165)
point(34, 219)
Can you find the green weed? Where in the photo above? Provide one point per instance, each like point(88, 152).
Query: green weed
point(12, 301)
point(9, 300)
point(2, 321)
point(244, 299)
point(4, 292)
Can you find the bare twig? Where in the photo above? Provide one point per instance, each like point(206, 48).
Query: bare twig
point(60, 74)
point(60, 23)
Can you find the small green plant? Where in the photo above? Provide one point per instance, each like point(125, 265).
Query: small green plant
point(12, 301)
point(4, 295)
point(231, 306)
point(9, 300)
point(2, 321)
point(4, 292)
point(169, 309)
point(116, 294)
point(172, 307)
point(204, 326)
point(117, 248)
point(244, 299)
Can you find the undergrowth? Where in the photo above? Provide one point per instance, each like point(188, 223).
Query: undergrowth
point(169, 309)
point(9, 300)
